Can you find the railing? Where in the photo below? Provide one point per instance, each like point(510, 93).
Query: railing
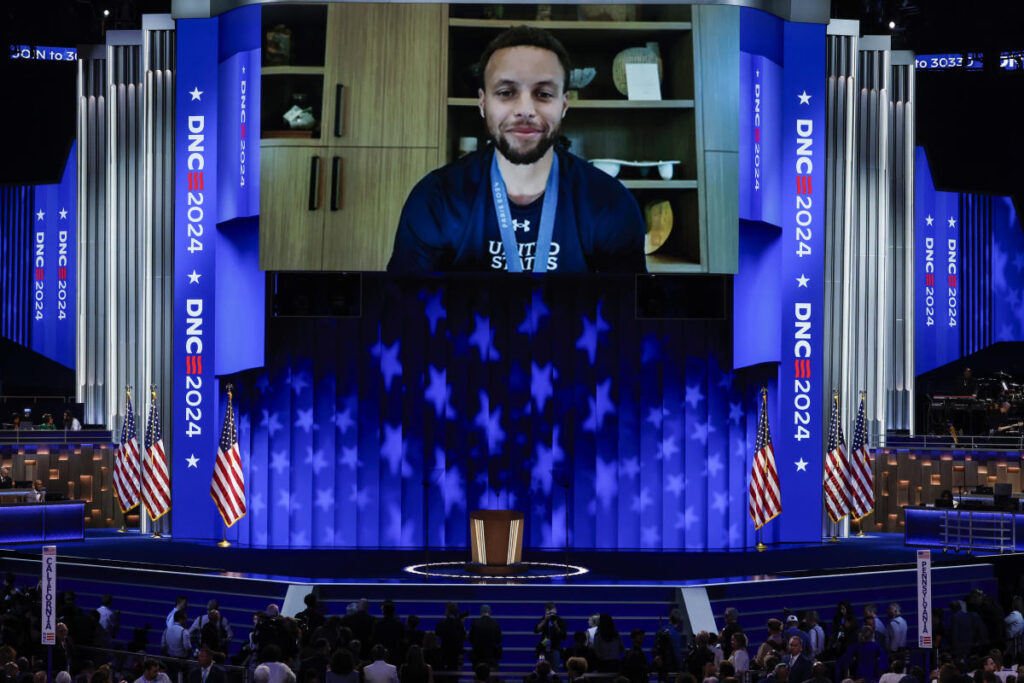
point(55, 436)
point(173, 665)
point(948, 442)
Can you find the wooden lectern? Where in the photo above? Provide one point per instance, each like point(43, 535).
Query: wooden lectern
point(496, 542)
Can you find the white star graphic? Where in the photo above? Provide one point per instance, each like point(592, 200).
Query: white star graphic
point(196, 94)
point(928, 220)
point(63, 213)
point(243, 69)
point(804, 98)
point(193, 461)
point(952, 222)
point(39, 215)
point(801, 465)
point(193, 277)
point(758, 72)
point(801, 281)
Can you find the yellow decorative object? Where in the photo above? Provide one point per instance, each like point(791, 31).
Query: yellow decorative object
point(658, 216)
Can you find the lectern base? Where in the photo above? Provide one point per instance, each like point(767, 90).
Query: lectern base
point(496, 569)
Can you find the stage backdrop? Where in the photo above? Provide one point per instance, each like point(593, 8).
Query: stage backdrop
point(461, 394)
point(969, 265)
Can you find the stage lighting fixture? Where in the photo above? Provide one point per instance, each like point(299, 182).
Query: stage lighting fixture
point(892, 25)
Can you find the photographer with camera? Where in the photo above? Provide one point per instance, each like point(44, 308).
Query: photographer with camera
point(552, 631)
point(273, 631)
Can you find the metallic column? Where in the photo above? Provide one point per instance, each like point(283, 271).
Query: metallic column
point(841, 168)
point(91, 384)
point(899, 275)
point(125, 246)
point(126, 135)
point(870, 334)
point(158, 55)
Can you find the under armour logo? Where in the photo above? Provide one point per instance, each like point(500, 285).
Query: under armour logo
point(521, 225)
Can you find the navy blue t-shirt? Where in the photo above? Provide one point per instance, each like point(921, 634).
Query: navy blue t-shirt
point(449, 223)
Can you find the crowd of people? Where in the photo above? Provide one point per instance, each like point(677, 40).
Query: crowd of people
point(975, 640)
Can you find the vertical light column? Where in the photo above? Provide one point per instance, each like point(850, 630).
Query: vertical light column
point(91, 387)
point(899, 361)
point(841, 166)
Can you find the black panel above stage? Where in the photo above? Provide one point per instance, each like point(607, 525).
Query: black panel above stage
point(24, 372)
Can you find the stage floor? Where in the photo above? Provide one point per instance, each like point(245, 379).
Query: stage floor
point(872, 552)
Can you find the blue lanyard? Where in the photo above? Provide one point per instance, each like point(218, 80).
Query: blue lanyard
point(504, 213)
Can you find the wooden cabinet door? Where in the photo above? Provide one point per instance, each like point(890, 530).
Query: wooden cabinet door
point(387, 60)
point(292, 179)
point(366, 191)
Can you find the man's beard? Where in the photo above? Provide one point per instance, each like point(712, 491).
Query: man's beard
point(529, 156)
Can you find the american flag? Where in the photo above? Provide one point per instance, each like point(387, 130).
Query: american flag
point(862, 478)
point(765, 497)
point(126, 463)
point(228, 485)
point(156, 478)
point(837, 481)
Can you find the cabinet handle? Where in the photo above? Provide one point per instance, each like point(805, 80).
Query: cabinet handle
point(339, 110)
point(337, 178)
point(314, 183)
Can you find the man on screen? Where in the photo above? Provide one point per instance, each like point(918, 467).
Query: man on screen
point(523, 203)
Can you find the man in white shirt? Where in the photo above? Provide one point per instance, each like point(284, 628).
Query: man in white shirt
point(108, 618)
point(151, 673)
point(815, 634)
point(176, 642)
point(592, 628)
point(278, 671)
point(203, 619)
point(180, 603)
point(380, 671)
point(896, 630)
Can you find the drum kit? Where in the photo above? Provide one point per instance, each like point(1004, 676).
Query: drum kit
point(980, 413)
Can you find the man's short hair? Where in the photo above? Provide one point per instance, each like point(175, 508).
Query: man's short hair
point(149, 664)
point(525, 36)
point(482, 672)
point(378, 652)
point(485, 609)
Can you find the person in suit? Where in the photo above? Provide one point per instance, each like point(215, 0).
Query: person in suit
point(485, 640)
point(6, 481)
point(207, 671)
point(380, 671)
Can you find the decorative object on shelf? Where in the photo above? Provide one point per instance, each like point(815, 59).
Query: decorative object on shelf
point(279, 46)
point(298, 118)
point(494, 11)
point(543, 12)
point(579, 79)
point(607, 12)
point(643, 82)
point(613, 166)
point(634, 55)
point(658, 216)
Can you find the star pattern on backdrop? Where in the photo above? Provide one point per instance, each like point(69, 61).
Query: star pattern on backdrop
point(193, 461)
point(804, 98)
point(196, 93)
point(592, 330)
point(482, 338)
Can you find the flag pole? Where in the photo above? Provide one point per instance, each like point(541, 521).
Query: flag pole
point(761, 547)
point(224, 542)
point(860, 522)
point(124, 515)
point(835, 524)
point(152, 392)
